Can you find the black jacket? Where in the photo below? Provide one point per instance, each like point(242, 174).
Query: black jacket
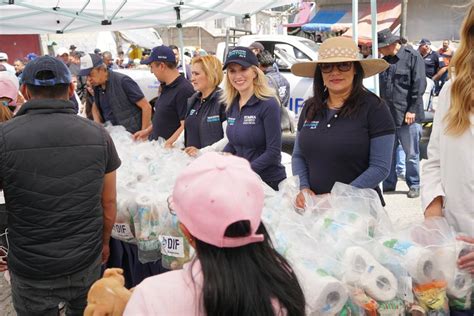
point(52, 167)
point(403, 84)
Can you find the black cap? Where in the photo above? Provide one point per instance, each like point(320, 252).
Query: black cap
point(385, 38)
point(160, 53)
point(424, 41)
point(97, 51)
point(242, 56)
point(72, 47)
point(61, 74)
point(89, 62)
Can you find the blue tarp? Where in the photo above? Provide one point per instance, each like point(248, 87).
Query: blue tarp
point(323, 20)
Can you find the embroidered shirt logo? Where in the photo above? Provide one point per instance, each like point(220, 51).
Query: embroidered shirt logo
point(213, 119)
point(192, 112)
point(231, 120)
point(311, 124)
point(249, 119)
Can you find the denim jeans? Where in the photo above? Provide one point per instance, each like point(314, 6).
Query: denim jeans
point(42, 297)
point(400, 167)
point(409, 137)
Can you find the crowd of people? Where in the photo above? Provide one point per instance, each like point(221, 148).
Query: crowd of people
point(58, 174)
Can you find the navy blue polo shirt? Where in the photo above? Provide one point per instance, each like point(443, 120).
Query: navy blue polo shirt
point(131, 89)
point(431, 64)
point(194, 119)
point(170, 108)
point(254, 133)
point(337, 148)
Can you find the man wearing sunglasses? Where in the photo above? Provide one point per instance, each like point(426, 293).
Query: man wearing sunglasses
point(402, 86)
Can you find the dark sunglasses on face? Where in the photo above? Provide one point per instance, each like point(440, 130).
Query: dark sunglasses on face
point(344, 66)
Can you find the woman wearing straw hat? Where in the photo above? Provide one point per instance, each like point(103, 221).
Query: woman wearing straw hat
point(345, 132)
point(236, 270)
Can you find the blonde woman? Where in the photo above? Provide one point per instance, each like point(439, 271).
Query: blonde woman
point(447, 187)
point(253, 116)
point(205, 115)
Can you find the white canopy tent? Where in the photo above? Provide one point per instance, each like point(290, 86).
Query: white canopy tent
point(67, 16)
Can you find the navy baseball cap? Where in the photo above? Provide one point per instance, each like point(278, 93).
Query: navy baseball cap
point(424, 41)
point(242, 56)
point(89, 62)
point(58, 68)
point(160, 53)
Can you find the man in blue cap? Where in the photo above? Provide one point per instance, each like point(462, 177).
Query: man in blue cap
point(171, 106)
point(58, 173)
point(402, 87)
point(117, 98)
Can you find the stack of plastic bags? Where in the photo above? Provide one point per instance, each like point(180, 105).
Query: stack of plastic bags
point(145, 180)
point(350, 261)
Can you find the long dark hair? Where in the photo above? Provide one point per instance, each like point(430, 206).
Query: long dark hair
point(247, 280)
point(317, 104)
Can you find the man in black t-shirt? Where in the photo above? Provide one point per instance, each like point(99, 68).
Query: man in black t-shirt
point(171, 105)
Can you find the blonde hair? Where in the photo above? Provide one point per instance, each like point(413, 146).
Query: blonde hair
point(261, 89)
point(5, 113)
point(462, 67)
point(212, 67)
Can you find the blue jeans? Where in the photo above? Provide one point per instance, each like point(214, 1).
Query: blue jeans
point(409, 137)
point(400, 167)
point(42, 297)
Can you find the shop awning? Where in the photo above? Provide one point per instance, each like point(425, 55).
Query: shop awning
point(323, 20)
point(303, 16)
point(388, 16)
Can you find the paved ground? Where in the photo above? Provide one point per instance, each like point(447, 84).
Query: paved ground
point(402, 210)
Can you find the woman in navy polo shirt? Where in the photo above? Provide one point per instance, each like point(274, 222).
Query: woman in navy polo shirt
point(253, 116)
point(345, 132)
point(203, 126)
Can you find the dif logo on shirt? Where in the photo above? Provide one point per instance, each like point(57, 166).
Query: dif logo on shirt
point(192, 112)
point(311, 124)
point(231, 120)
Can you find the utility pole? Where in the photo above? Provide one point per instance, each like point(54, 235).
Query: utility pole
point(403, 26)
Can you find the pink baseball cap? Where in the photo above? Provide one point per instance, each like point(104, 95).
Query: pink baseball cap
point(214, 192)
point(8, 89)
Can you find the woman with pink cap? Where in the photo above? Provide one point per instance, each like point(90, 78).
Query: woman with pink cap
point(8, 94)
point(218, 200)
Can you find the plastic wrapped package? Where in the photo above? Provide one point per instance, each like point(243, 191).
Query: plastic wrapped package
point(175, 248)
point(353, 224)
point(432, 298)
point(124, 228)
point(362, 270)
point(360, 304)
point(459, 282)
point(364, 202)
point(418, 261)
point(325, 295)
point(146, 223)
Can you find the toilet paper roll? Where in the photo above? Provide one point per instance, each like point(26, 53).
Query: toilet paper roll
point(459, 282)
point(379, 283)
point(420, 264)
point(324, 294)
point(146, 217)
point(363, 270)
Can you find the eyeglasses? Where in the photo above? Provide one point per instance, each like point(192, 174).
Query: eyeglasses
point(343, 67)
point(168, 200)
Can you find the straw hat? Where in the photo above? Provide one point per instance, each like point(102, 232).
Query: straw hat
point(336, 50)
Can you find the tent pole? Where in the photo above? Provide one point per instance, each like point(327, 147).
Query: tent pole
point(375, 46)
point(179, 26)
point(355, 21)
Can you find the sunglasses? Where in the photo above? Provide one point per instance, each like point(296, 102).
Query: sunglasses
point(344, 66)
